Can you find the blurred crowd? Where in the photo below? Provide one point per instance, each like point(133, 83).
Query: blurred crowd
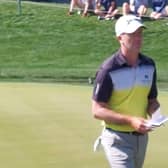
point(108, 9)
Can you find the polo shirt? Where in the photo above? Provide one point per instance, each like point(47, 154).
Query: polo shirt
point(124, 88)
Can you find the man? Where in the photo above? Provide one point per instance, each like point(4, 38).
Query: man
point(160, 9)
point(137, 7)
point(85, 5)
point(125, 93)
point(110, 9)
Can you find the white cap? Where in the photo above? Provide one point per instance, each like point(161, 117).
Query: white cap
point(128, 24)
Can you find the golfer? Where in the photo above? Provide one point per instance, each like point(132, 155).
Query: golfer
point(125, 93)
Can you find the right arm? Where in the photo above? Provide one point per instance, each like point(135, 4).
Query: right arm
point(101, 111)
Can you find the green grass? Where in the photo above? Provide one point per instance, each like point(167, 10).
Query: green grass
point(45, 44)
point(51, 126)
point(46, 126)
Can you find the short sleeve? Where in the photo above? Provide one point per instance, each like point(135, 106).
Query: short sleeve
point(102, 87)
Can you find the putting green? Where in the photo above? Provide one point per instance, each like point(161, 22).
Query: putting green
point(51, 126)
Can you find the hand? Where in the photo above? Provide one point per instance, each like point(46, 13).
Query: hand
point(139, 124)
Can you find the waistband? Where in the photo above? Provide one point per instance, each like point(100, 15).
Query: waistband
point(125, 132)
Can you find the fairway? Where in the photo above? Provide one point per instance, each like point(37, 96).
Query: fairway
point(50, 126)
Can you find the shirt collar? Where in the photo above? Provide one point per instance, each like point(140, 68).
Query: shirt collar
point(122, 60)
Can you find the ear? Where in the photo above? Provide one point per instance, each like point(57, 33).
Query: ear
point(119, 38)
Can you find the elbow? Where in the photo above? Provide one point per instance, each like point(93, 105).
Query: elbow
point(95, 115)
point(97, 110)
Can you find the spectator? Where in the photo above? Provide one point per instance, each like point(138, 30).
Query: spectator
point(137, 7)
point(160, 9)
point(85, 5)
point(110, 8)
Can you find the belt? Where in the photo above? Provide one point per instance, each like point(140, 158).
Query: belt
point(126, 132)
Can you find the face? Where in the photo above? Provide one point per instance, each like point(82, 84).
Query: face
point(133, 41)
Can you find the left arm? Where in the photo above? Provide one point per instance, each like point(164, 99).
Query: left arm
point(153, 105)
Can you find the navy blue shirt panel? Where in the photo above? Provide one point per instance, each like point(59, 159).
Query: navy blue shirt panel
point(103, 85)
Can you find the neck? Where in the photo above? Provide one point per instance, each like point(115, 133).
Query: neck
point(131, 57)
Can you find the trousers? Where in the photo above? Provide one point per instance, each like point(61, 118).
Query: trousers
point(124, 150)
